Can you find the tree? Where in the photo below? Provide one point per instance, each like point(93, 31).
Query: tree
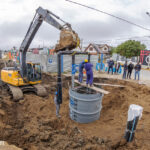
point(130, 48)
point(113, 50)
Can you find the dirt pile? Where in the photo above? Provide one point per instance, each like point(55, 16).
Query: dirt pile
point(31, 124)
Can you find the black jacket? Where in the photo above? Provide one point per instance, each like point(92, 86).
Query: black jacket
point(111, 63)
point(130, 67)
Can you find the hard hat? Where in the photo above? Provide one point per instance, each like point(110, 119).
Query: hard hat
point(56, 93)
point(85, 60)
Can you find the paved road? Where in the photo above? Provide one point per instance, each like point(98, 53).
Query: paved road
point(145, 75)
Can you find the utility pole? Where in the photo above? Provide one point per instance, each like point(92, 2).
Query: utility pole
point(148, 58)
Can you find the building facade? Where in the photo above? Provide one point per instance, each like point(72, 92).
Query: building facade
point(95, 49)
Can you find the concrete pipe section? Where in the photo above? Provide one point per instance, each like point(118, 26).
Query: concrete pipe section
point(85, 105)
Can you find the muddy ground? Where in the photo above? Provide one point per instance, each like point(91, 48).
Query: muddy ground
point(31, 124)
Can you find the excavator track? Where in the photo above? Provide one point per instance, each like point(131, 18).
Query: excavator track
point(40, 90)
point(16, 92)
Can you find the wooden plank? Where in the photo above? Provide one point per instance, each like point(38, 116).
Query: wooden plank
point(93, 87)
point(67, 75)
point(105, 84)
point(77, 87)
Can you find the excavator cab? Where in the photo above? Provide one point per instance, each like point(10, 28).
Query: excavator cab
point(34, 72)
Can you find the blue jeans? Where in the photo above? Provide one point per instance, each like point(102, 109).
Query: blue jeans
point(80, 77)
point(137, 73)
point(110, 67)
point(124, 74)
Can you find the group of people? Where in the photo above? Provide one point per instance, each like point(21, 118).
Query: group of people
point(112, 66)
point(127, 72)
point(87, 66)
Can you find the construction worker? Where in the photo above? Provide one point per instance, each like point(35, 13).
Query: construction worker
point(81, 67)
point(89, 73)
point(57, 105)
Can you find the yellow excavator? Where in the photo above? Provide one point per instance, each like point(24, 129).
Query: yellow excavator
point(27, 77)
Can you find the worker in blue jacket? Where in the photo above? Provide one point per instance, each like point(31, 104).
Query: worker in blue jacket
point(81, 67)
point(89, 72)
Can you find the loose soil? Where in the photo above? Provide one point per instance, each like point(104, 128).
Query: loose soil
point(31, 124)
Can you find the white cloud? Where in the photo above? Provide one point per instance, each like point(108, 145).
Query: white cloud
point(16, 15)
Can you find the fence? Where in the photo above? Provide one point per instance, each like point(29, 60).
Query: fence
point(49, 62)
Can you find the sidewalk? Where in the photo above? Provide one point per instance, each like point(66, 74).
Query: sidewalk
point(144, 76)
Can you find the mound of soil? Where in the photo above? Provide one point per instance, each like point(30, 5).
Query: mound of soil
point(31, 124)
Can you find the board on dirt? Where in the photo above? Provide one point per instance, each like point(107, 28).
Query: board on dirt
point(105, 84)
point(93, 87)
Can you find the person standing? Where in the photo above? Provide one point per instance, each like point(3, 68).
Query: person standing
point(118, 67)
point(125, 70)
point(110, 65)
point(137, 70)
point(57, 105)
point(130, 68)
point(115, 67)
point(81, 67)
point(89, 72)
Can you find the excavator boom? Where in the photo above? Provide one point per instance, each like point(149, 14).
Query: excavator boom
point(68, 38)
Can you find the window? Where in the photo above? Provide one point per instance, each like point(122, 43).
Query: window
point(105, 49)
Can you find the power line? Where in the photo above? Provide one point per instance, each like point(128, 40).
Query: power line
point(114, 41)
point(110, 15)
point(121, 38)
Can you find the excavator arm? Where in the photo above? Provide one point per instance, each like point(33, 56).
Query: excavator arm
point(40, 16)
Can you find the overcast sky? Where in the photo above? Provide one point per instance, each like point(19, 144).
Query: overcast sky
point(16, 15)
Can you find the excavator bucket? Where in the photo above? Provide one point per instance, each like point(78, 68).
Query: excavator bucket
point(68, 40)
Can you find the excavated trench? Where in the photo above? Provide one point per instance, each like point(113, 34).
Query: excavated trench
point(31, 124)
